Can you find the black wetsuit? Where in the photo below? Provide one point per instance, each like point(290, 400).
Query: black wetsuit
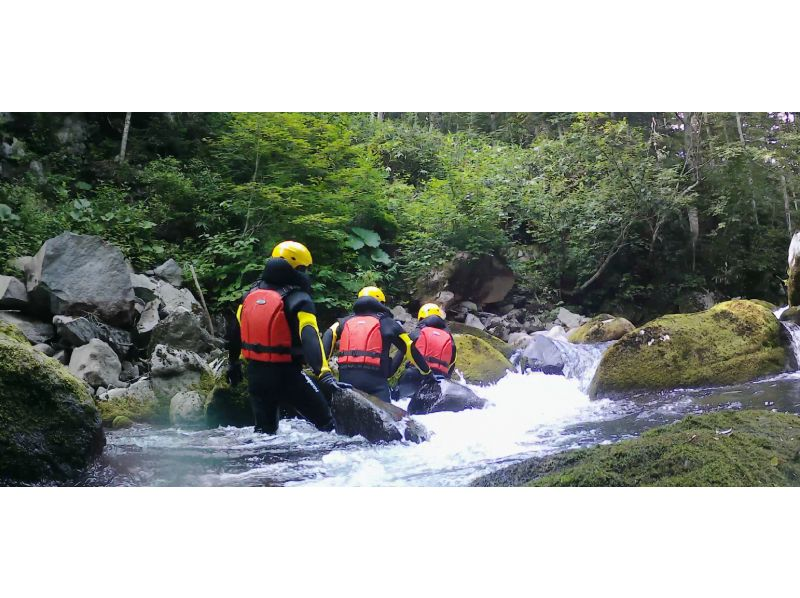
point(272, 385)
point(371, 379)
point(411, 379)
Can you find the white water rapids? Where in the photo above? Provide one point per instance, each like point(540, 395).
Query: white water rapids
point(530, 415)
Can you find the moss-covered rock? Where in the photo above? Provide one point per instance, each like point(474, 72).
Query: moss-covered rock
point(12, 332)
point(601, 329)
point(137, 403)
point(767, 304)
point(791, 314)
point(121, 422)
point(729, 448)
point(732, 342)
point(478, 361)
point(502, 346)
point(49, 425)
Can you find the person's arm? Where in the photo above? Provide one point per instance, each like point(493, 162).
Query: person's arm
point(405, 345)
point(300, 303)
point(329, 339)
point(453, 360)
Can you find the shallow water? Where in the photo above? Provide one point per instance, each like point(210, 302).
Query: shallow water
point(530, 414)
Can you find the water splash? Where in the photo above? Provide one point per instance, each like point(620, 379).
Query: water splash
point(793, 331)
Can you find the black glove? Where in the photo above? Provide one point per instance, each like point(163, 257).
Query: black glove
point(429, 381)
point(328, 384)
point(234, 373)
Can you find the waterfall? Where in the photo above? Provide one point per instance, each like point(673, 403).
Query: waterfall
point(793, 330)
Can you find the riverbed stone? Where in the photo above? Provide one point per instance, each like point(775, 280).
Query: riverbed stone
point(735, 341)
point(13, 294)
point(601, 329)
point(138, 403)
point(447, 395)
point(358, 414)
point(32, 328)
point(50, 426)
point(186, 408)
point(97, 364)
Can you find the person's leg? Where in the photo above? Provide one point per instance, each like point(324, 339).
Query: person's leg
point(304, 396)
point(409, 383)
point(261, 384)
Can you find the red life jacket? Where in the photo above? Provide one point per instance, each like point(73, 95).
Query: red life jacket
point(265, 329)
point(360, 343)
point(436, 346)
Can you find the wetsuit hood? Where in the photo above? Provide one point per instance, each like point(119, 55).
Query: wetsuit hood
point(370, 305)
point(433, 322)
point(279, 272)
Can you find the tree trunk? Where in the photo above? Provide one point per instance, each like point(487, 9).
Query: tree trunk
point(786, 208)
point(749, 170)
point(124, 145)
point(380, 116)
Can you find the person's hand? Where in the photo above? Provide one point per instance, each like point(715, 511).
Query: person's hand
point(234, 373)
point(429, 381)
point(329, 384)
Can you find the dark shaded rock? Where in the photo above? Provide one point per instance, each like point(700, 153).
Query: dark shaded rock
point(76, 332)
point(446, 396)
point(50, 427)
point(34, 330)
point(360, 414)
point(13, 294)
point(485, 279)
point(79, 274)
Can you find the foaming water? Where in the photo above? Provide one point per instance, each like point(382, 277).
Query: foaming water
point(793, 330)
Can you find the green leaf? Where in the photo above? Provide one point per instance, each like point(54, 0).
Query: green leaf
point(354, 242)
point(380, 256)
point(83, 186)
point(370, 237)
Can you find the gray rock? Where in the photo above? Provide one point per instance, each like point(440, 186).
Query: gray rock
point(543, 354)
point(79, 274)
point(474, 321)
point(13, 294)
point(61, 356)
point(447, 396)
point(173, 370)
point(149, 318)
point(183, 330)
point(186, 409)
point(143, 287)
point(96, 364)
point(498, 329)
point(519, 340)
point(400, 313)
point(141, 390)
point(359, 414)
point(46, 349)
point(76, 332)
point(173, 299)
point(569, 319)
point(129, 371)
point(469, 306)
point(171, 272)
point(34, 330)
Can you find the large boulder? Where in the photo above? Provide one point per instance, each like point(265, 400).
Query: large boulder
point(137, 403)
point(727, 448)
point(174, 370)
point(485, 279)
point(358, 414)
point(183, 330)
point(79, 274)
point(50, 428)
point(459, 328)
point(446, 396)
point(478, 361)
point(78, 331)
point(96, 364)
point(732, 342)
point(13, 294)
point(601, 329)
point(544, 353)
point(34, 330)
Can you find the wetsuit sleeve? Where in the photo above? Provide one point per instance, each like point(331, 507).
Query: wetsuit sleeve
point(234, 337)
point(312, 343)
point(329, 339)
point(405, 345)
point(453, 360)
point(397, 361)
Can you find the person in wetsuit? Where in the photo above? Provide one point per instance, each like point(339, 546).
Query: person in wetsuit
point(435, 343)
point(276, 332)
point(365, 338)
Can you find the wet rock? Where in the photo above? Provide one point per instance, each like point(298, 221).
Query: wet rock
point(121, 422)
point(171, 272)
point(733, 342)
point(791, 314)
point(474, 321)
point(187, 409)
point(519, 340)
point(78, 274)
point(183, 330)
point(600, 329)
point(173, 370)
point(97, 364)
point(359, 414)
point(446, 396)
point(13, 294)
point(543, 353)
point(33, 329)
point(50, 427)
point(570, 320)
point(138, 403)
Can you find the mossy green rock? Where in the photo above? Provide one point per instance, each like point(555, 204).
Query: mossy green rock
point(478, 361)
point(502, 346)
point(767, 304)
point(49, 426)
point(12, 332)
point(733, 342)
point(137, 403)
point(729, 448)
point(121, 422)
point(601, 329)
point(226, 405)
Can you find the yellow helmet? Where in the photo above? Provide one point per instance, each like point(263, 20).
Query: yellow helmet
point(429, 309)
point(372, 292)
point(293, 252)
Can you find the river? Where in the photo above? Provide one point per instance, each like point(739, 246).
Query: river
point(531, 414)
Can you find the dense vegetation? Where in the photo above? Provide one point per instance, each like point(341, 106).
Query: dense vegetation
point(611, 212)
